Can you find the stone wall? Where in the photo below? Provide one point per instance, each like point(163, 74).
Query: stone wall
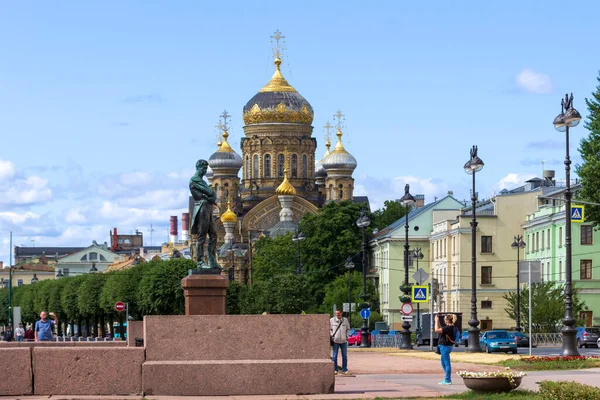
point(15, 370)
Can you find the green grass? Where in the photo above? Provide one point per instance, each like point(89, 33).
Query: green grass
point(550, 365)
point(514, 395)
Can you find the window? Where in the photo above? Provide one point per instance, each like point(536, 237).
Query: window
point(486, 304)
point(486, 275)
point(453, 245)
point(267, 166)
point(294, 166)
point(304, 166)
point(528, 244)
point(560, 278)
point(102, 258)
point(543, 246)
point(93, 256)
point(585, 269)
point(127, 241)
point(548, 238)
point(537, 241)
point(486, 324)
point(586, 234)
point(486, 244)
point(548, 273)
point(84, 258)
point(65, 272)
point(341, 192)
point(560, 237)
point(247, 167)
point(280, 162)
point(255, 167)
point(19, 282)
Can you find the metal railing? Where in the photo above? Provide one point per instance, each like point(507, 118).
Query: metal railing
point(386, 341)
point(546, 339)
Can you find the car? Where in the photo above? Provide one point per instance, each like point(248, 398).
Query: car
point(521, 339)
point(356, 338)
point(498, 341)
point(587, 337)
point(464, 339)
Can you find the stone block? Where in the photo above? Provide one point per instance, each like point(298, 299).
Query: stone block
point(204, 294)
point(236, 337)
point(136, 330)
point(15, 370)
point(224, 378)
point(87, 370)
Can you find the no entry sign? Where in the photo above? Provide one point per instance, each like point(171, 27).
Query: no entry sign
point(120, 306)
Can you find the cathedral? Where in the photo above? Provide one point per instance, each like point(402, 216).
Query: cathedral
point(280, 178)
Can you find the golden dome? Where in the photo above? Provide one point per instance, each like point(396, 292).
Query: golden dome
point(277, 82)
point(229, 216)
point(286, 188)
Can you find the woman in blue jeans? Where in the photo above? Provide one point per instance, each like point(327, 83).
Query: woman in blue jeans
point(446, 339)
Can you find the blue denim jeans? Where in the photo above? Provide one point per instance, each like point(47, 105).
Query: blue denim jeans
point(344, 347)
point(445, 352)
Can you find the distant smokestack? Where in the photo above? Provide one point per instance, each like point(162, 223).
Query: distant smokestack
point(173, 230)
point(185, 226)
point(113, 243)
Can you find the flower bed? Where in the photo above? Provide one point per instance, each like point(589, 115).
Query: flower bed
point(496, 381)
point(553, 363)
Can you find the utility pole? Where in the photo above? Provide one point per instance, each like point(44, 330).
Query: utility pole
point(10, 268)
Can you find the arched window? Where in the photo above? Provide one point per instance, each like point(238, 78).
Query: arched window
point(341, 192)
point(255, 167)
point(102, 258)
point(247, 167)
point(267, 166)
point(226, 190)
point(84, 258)
point(294, 166)
point(93, 256)
point(331, 192)
point(280, 162)
point(304, 166)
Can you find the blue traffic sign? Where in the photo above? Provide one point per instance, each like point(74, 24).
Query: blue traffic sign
point(577, 213)
point(365, 313)
point(420, 294)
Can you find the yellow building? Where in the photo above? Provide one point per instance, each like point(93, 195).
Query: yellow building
point(499, 219)
point(23, 274)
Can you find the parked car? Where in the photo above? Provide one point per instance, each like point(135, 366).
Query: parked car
point(498, 341)
point(587, 336)
point(521, 339)
point(356, 338)
point(464, 339)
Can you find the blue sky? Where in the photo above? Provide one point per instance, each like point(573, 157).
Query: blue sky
point(107, 105)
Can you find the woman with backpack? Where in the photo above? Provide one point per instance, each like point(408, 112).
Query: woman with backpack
point(446, 339)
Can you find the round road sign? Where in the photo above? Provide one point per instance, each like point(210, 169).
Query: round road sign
point(120, 306)
point(406, 308)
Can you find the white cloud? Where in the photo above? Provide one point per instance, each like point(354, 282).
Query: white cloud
point(513, 180)
point(7, 170)
point(534, 82)
point(75, 216)
point(17, 218)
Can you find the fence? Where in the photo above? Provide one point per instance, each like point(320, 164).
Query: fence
point(547, 339)
point(386, 341)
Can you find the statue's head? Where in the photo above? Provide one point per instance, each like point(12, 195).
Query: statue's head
point(202, 166)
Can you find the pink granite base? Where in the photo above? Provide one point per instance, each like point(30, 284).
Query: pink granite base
point(15, 372)
point(250, 377)
point(87, 370)
point(136, 330)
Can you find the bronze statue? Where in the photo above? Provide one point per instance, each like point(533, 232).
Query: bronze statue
point(202, 219)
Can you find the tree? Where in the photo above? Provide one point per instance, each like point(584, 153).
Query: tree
point(88, 299)
point(336, 293)
point(3, 306)
point(123, 286)
point(233, 297)
point(548, 308)
point(160, 290)
point(589, 169)
point(391, 212)
point(69, 299)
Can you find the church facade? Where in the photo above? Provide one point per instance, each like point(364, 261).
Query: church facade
point(277, 178)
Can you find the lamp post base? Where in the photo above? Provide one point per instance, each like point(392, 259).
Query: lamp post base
point(364, 334)
point(569, 341)
point(474, 346)
point(406, 342)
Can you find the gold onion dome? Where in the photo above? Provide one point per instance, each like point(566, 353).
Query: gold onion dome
point(286, 188)
point(278, 102)
point(339, 158)
point(229, 216)
point(225, 157)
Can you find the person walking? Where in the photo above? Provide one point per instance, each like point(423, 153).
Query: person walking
point(339, 327)
point(8, 334)
point(446, 340)
point(43, 327)
point(19, 333)
point(29, 336)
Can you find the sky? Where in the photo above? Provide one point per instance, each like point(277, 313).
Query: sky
point(105, 106)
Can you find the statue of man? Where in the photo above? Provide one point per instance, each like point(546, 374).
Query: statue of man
point(202, 219)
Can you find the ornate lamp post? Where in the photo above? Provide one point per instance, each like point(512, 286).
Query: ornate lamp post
point(34, 279)
point(93, 269)
point(363, 222)
point(298, 237)
point(59, 274)
point(518, 244)
point(475, 164)
point(407, 200)
point(568, 118)
point(349, 267)
point(418, 255)
point(231, 248)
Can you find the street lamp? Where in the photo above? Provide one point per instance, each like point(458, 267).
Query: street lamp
point(60, 274)
point(407, 200)
point(298, 237)
point(518, 244)
point(349, 267)
point(363, 222)
point(93, 269)
point(475, 164)
point(34, 279)
point(568, 118)
point(417, 254)
point(231, 248)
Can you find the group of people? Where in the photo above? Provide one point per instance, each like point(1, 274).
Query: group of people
point(41, 332)
point(339, 329)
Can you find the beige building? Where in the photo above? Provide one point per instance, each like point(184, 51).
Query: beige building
point(22, 274)
point(499, 220)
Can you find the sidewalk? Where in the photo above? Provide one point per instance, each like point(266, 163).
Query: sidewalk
point(382, 374)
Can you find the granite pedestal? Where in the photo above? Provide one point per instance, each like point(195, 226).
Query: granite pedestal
point(204, 294)
point(15, 370)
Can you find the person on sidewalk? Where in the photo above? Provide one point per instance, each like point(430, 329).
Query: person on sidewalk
point(339, 327)
point(8, 334)
point(446, 340)
point(19, 333)
point(43, 327)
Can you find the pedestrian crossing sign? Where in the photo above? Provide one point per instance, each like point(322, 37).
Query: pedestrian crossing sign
point(420, 294)
point(577, 213)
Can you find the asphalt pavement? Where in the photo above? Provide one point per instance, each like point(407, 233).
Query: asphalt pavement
point(536, 351)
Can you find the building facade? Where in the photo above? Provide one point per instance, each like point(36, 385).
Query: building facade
point(95, 258)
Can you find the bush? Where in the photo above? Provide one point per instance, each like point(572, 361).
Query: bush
point(562, 390)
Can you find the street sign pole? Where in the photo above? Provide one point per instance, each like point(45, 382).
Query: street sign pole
point(127, 321)
point(530, 307)
point(431, 316)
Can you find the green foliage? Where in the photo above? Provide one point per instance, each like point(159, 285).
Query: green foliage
point(68, 297)
point(564, 390)
point(391, 212)
point(160, 290)
point(514, 395)
point(88, 295)
point(274, 256)
point(24, 297)
point(233, 298)
point(548, 306)
point(123, 286)
point(589, 170)
point(3, 306)
point(280, 294)
point(549, 363)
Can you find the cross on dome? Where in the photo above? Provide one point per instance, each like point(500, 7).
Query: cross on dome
point(277, 36)
point(339, 116)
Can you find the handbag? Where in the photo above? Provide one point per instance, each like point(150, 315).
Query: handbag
point(337, 329)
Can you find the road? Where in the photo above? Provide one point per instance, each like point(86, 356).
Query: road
point(536, 351)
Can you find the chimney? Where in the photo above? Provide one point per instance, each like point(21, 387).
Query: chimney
point(549, 177)
point(173, 229)
point(185, 226)
point(114, 243)
point(419, 200)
